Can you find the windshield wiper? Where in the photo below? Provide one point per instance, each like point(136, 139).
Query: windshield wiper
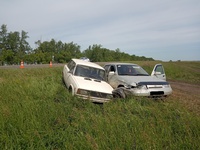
point(97, 80)
point(86, 78)
point(139, 74)
point(126, 74)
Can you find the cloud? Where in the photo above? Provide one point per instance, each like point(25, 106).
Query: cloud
point(136, 27)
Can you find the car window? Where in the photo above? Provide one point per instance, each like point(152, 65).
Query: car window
point(71, 65)
point(131, 70)
point(112, 68)
point(90, 72)
point(160, 69)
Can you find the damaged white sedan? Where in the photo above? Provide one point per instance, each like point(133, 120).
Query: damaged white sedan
point(87, 80)
point(131, 79)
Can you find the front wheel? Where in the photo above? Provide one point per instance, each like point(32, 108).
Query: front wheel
point(119, 93)
point(71, 90)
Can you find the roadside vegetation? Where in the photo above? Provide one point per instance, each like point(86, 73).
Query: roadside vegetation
point(37, 112)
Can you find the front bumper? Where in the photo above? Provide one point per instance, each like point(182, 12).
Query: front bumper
point(153, 92)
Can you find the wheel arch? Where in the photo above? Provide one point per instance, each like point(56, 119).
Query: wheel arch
point(120, 85)
point(71, 89)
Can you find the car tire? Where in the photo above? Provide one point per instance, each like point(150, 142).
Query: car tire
point(119, 93)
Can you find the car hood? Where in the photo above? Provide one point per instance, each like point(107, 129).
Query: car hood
point(134, 80)
point(93, 85)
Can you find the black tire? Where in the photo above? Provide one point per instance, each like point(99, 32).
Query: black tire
point(119, 93)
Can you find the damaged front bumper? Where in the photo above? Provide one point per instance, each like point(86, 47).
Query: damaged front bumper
point(123, 92)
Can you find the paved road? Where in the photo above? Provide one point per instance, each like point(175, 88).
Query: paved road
point(31, 66)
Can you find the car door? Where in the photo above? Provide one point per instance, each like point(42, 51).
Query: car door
point(159, 72)
point(106, 67)
point(68, 72)
point(112, 76)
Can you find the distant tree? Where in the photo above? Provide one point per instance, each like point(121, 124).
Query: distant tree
point(97, 53)
point(3, 37)
point(13, 44)
point(14, 48)
point(7, 56)
point(56, 51)
point(13, 41)
point(24, 47)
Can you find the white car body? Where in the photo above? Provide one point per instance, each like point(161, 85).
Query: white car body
point(87, 80)
point(131, 79)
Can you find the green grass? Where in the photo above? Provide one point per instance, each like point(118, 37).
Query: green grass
point(37, 112)
point(179, 71)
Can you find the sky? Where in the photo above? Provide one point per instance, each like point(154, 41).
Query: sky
point(162, 29)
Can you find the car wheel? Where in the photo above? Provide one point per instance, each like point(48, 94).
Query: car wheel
point(119, 93)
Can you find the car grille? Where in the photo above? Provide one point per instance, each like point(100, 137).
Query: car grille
point(98, 94)
point(154, 86)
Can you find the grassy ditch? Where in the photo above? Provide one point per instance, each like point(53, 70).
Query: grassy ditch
point(37, 112)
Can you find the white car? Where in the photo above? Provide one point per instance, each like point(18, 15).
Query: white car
point(87, 80)
point(131, 79)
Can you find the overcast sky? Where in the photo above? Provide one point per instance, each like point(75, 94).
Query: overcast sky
point(161, 29)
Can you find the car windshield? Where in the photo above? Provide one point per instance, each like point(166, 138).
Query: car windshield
point(90, 72)
point(131, 70)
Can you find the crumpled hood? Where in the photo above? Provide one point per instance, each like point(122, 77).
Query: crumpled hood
point(134, 80)
point(93, 85)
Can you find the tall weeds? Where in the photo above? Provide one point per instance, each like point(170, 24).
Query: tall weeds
point(37, 112)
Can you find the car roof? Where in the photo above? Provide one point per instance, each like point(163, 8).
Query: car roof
point(87, 63)
point(120, 63)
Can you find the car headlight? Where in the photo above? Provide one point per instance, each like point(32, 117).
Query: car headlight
point(127, 86)
point(142, 87)
point(166, 86)
point(109, 96)
point(82, 92)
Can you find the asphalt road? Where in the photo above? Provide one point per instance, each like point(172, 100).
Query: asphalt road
point(31, 66)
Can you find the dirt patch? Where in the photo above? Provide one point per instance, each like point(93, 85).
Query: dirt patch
point(188, 95)
point(192, 89)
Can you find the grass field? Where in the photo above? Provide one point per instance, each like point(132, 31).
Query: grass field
point(37, 112)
